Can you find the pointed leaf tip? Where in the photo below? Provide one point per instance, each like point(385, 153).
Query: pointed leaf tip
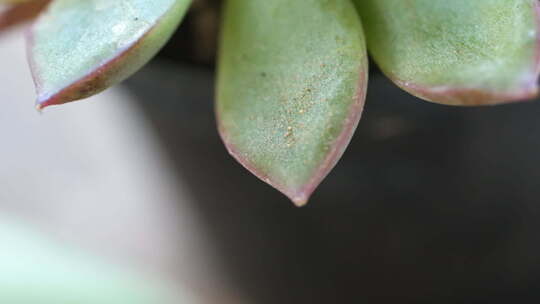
point(457, 52)
point(291, 88)
point(79, 48)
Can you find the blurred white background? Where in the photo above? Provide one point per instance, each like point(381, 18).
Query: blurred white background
point(91, 175)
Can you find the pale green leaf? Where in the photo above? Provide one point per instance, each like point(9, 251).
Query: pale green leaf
point(79, 48)
point(459, 52)
point(291, 88)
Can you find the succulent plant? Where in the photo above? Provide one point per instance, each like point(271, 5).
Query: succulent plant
point(292, 75)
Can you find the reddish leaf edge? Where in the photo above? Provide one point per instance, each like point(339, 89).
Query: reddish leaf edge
point(86, 86)
point(20, 13)
point(456, 96)
point(468, 97)
point(91, 84)
point(300, 196)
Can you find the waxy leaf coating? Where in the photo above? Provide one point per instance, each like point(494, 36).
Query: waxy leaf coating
point(291, 88)
point(458, 52)
point(79, 48)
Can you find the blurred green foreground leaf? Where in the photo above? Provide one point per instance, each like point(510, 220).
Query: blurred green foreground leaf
point(34, 270)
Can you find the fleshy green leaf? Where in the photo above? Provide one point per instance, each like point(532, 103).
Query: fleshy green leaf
point(79, 48)
point(458, 52)
point(291, 88)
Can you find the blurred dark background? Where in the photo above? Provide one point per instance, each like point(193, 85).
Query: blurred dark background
point(430, 204)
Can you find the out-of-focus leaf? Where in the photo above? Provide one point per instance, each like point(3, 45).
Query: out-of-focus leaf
point(291, 88)
point(36, 270)
point(458, 52)
point(79, 48)
point(18, 12)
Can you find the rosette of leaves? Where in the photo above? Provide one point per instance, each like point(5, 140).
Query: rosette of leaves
point(292, 75)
